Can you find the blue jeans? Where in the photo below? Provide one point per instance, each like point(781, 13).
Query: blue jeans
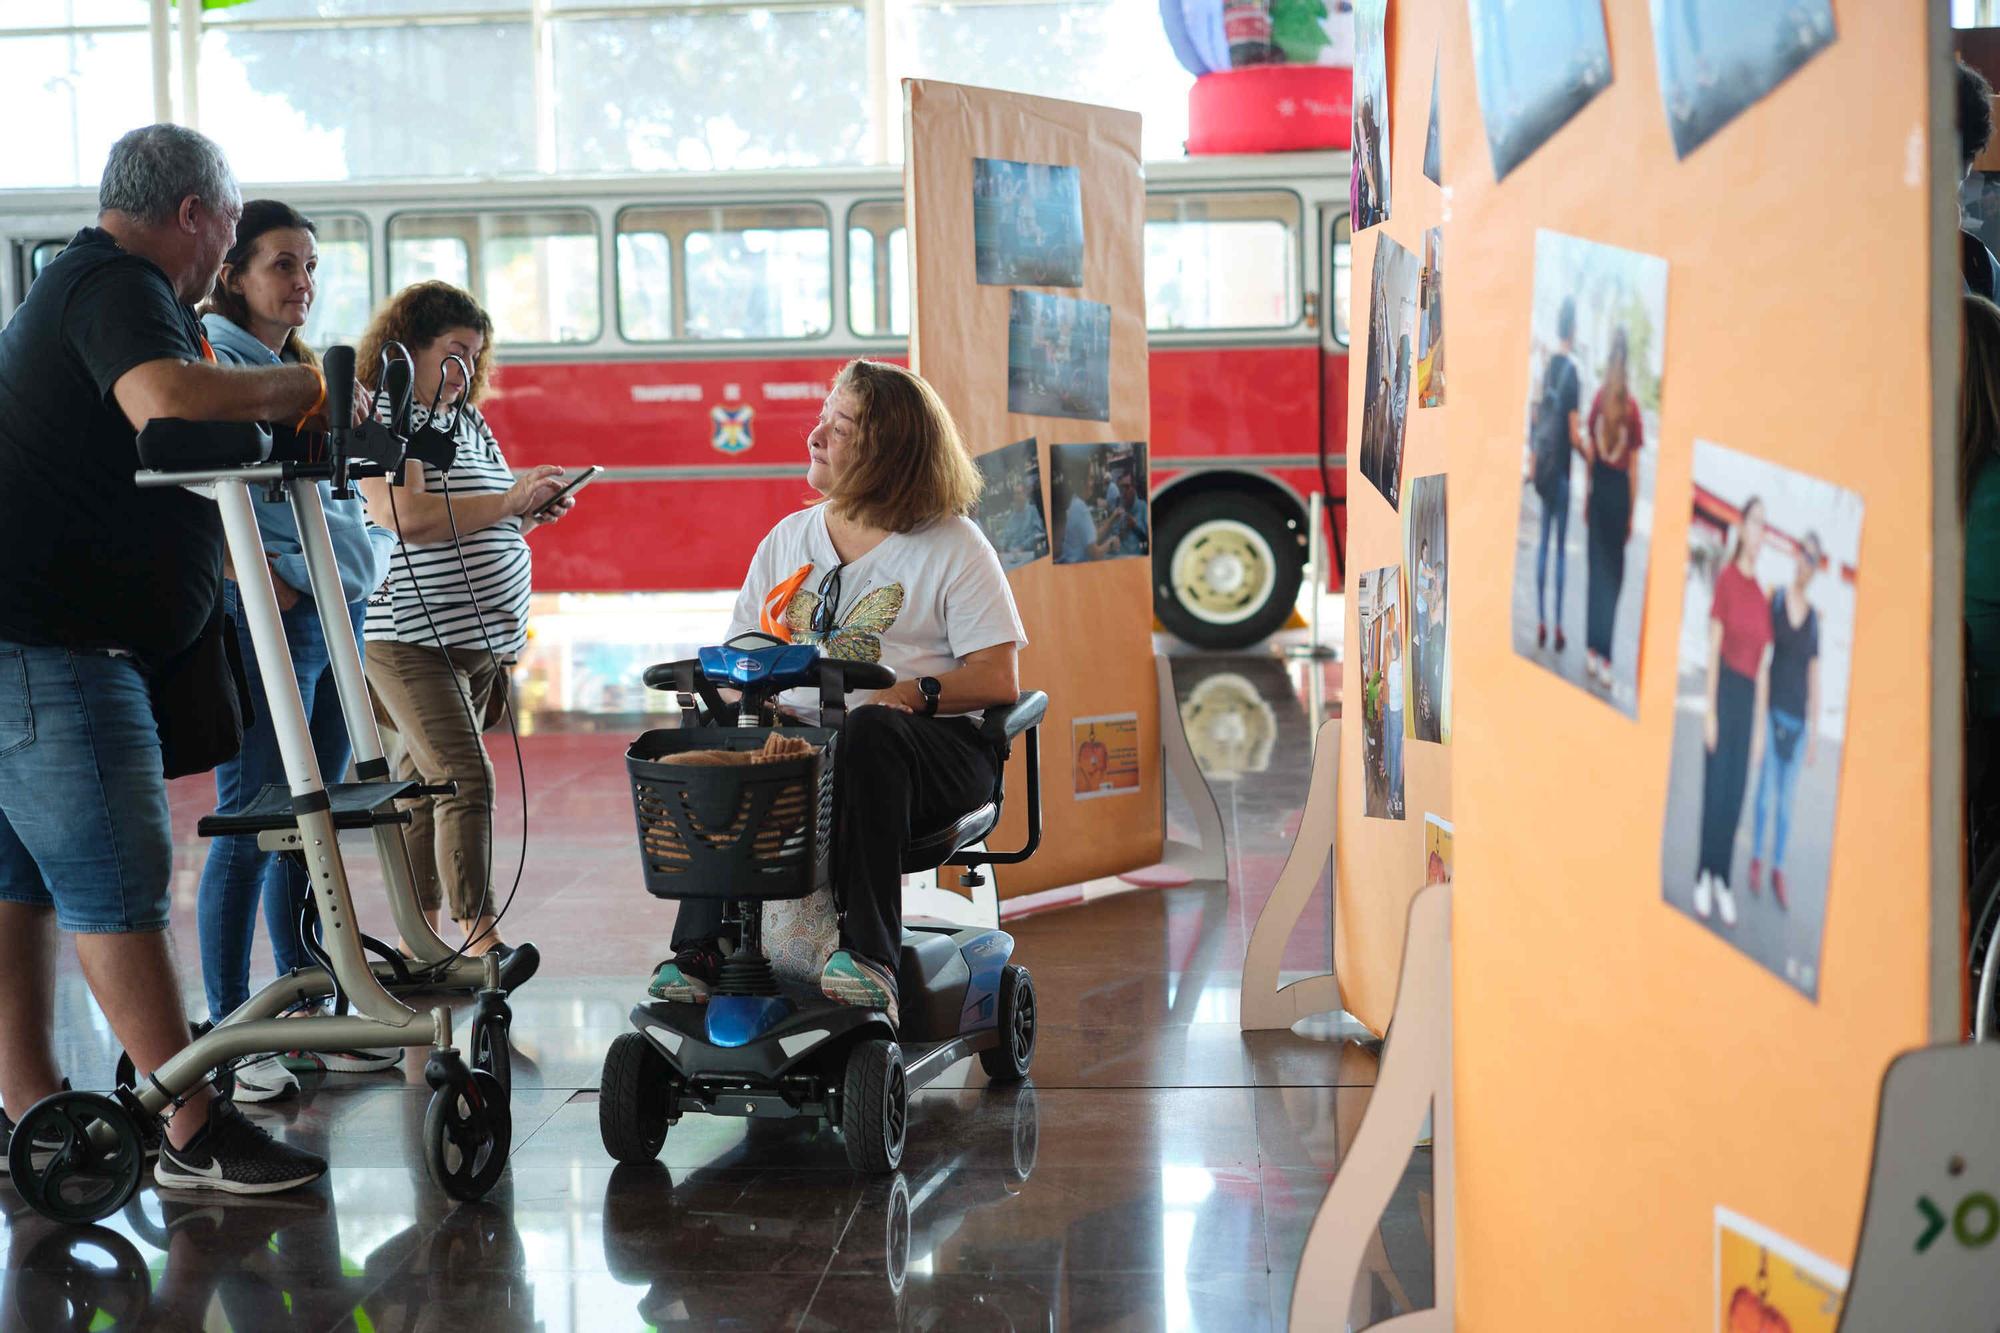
point(83, 803)
point(1776, 780)
point(1555, 519)
point(238, 873)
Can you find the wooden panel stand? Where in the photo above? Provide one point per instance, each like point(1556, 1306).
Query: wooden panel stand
point(1264, 1004)
point(1930, 1235)
point(1415, 1082)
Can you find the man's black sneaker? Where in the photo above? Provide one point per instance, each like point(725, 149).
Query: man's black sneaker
point(7, 1127)
point(236, 1156)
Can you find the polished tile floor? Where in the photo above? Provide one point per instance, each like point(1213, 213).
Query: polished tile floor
point(1160, 1170)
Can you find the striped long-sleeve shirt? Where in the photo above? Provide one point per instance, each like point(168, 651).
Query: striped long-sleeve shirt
point(427, 599)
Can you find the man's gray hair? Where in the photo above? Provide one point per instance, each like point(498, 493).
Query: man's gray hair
point(151, 170)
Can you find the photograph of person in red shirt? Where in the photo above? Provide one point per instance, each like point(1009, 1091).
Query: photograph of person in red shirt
point(1739, 677)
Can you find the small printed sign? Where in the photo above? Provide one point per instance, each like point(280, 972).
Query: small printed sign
point(1106, 754)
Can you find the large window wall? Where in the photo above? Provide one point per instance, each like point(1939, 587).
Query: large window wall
point(354, 89)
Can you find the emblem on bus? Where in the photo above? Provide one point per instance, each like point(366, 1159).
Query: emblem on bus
point(732, 428)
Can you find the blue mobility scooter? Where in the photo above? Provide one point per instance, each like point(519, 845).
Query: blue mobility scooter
point(747, 834)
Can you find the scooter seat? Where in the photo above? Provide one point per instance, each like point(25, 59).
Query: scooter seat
point(931, 848)
point(355, 805)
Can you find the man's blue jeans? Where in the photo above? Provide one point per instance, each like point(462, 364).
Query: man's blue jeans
point(83, 805)
point(1777, 779)
point(238, 873)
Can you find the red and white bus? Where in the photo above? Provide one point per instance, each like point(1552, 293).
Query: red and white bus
point(680, 331)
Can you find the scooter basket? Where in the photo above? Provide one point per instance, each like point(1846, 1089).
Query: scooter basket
point(752, 831)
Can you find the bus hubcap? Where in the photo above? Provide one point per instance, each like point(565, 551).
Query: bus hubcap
point(1223, 572)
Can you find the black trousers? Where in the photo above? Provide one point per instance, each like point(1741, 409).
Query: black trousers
point(894, 772)
point(1726, 771)
point(1610, 515)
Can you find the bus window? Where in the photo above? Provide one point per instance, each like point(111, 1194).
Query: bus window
point(645, 285)
point(535, 272)
point(40, 257)
point(341, 304)
point(878, 270)
point(747, 271)
point(1227, 260)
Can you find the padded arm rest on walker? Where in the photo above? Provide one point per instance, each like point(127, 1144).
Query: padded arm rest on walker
point(169, 444)
point(1004, 723)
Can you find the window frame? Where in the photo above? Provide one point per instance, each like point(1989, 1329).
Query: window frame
point(847, 264)
point(1297, 264)
point(475, 262)
point(320, 219)
point(677, 268)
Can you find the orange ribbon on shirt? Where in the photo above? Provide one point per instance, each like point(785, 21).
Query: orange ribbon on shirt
point(772, 619)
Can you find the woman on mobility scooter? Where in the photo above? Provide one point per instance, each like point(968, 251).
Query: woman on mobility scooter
point(887, 568)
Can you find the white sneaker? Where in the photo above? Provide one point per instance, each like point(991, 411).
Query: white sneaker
point(265, 1080)
point(1704, 898)
point(1725, 903)
point(359, 1062)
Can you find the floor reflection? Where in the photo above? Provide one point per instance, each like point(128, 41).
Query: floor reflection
point(1160, 1170)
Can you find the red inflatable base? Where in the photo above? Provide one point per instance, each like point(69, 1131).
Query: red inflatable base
point(1271, 109)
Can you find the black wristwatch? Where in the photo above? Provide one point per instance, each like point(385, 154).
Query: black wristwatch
point(930, 688)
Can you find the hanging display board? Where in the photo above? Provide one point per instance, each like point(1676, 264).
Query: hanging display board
point(1026, 224)
point(1691, 501)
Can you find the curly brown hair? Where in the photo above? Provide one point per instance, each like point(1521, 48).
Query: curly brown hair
point(417, 316)
point(910, 467)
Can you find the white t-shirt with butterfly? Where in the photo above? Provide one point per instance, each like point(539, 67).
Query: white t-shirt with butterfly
point(921, 602)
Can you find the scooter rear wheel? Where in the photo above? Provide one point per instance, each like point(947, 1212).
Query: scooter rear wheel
point(632, 1099)
point(1008, 1062)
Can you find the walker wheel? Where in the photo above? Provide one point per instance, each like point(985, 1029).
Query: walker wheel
point(632, 1099)
point(76, 1157)
point(875, 1106)
point(490, 1050)
point(467, 1133)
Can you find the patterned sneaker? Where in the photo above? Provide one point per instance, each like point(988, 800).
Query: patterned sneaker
point(852, 979)
point(687, 977)
point(265, 1080)
point(236, 1156)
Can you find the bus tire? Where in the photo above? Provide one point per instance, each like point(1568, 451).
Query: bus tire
point(1226, 570)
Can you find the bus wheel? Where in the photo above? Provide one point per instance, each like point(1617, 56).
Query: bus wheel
point(1226, 570)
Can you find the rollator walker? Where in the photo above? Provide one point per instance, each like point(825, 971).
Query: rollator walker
point(100, 1160)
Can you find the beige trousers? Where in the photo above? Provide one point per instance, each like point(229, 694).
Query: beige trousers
point(421, 696)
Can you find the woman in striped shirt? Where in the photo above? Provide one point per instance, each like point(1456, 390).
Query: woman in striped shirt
point(454, 612)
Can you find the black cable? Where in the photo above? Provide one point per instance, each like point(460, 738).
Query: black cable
point(465, 701)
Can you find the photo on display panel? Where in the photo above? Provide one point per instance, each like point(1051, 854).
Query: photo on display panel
point(1437, 850)
point(1718, 57)
point(1433, 167)
point(1027, 224)
point(1392, 338)
point(1100, 500)
point(1430, 322)
point(1538, 62)
point(1760, 707)
point(1597, 339)
point(1765, 1283)
point(1368, 179)
point(1427, 666)
point(1010, 503)
point(1379, 619)
point(1058, 357)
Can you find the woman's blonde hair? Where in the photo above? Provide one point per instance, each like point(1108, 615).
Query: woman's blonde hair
point(417, 316)
point(259, 217)
point(1978, 394)
point(907, 465)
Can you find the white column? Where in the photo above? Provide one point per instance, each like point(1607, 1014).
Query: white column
point(190, 12)
point(160, 28)
point(882, 100)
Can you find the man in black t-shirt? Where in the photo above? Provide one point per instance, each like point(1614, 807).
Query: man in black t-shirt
point(102, 582)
